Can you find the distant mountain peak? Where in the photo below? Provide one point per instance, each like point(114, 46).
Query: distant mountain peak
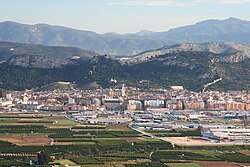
point(230, 19)
point(234, 19)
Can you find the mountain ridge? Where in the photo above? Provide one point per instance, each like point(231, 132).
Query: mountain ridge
point(231, 50)
point(40, 56)
point(62, 36)
point(228, 30)
point(190, 68)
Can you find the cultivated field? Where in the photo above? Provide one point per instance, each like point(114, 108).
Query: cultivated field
point(183, 165)
point(219, 164)
point(22, 137)
point(27, 140)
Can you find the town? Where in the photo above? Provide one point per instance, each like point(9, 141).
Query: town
point(125, 98)
point(222, 117)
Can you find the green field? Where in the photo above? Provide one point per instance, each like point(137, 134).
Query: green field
point(63, 162)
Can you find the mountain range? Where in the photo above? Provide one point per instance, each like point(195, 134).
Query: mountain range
point(229, 30)
point(32, 56)
point(109, 43)
point(192, 65)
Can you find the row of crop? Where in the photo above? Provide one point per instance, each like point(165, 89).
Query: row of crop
point(218, 148)
point(157, 145)
point(18, 149)
point(117, 147)
point(160, 131)
point(10, 127)
point(168, 134)
point(53, 131)
point(235, 157)
point(127, 155)
point(15, 161)
point(89, 127)
point(95, 134)
point(99, 165)
point(73, 140)
point(102, 144)
point(190, 133)
point(31, 129)
point(110, 143)
point(174, 133)
point(35, 121)
point(64, 149)
point(85, 134)
point(70, 134)
point(152, 164)
point(62, 134)
point(5, 144)
point(86, 160)
point(112, 159)
point(182, 155)
point(137, 165)
point(36, 117)
point(109, 132)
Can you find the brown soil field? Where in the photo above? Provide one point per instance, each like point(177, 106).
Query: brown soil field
point(182, 141)
point(89, 125)
point(81, 135)
point(27, 140)
point(122, 164)
point(58, 127)
point(189, 141)
point(245, 152)
point(17, 114)
point(217, 164)
point(117, 127)
point(35, 121)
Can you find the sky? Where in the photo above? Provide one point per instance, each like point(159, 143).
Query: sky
point(121, 16)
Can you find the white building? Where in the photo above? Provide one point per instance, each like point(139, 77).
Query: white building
point(71, 101)
point(137, 103)
point(154, 103)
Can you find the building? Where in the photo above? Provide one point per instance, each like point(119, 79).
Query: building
point(112, 104)
point(136, 104)
point(228, 134)
point(123, 90)
point(154, 103)
point(235, 106)
point(71, 101)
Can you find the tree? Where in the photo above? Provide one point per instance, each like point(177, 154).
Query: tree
point(43, 159)
point(1, 93)
point(200, 129)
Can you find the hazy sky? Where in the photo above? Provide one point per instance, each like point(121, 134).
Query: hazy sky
point(121, 15)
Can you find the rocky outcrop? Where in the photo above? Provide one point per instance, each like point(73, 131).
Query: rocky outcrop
point(37, 61)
